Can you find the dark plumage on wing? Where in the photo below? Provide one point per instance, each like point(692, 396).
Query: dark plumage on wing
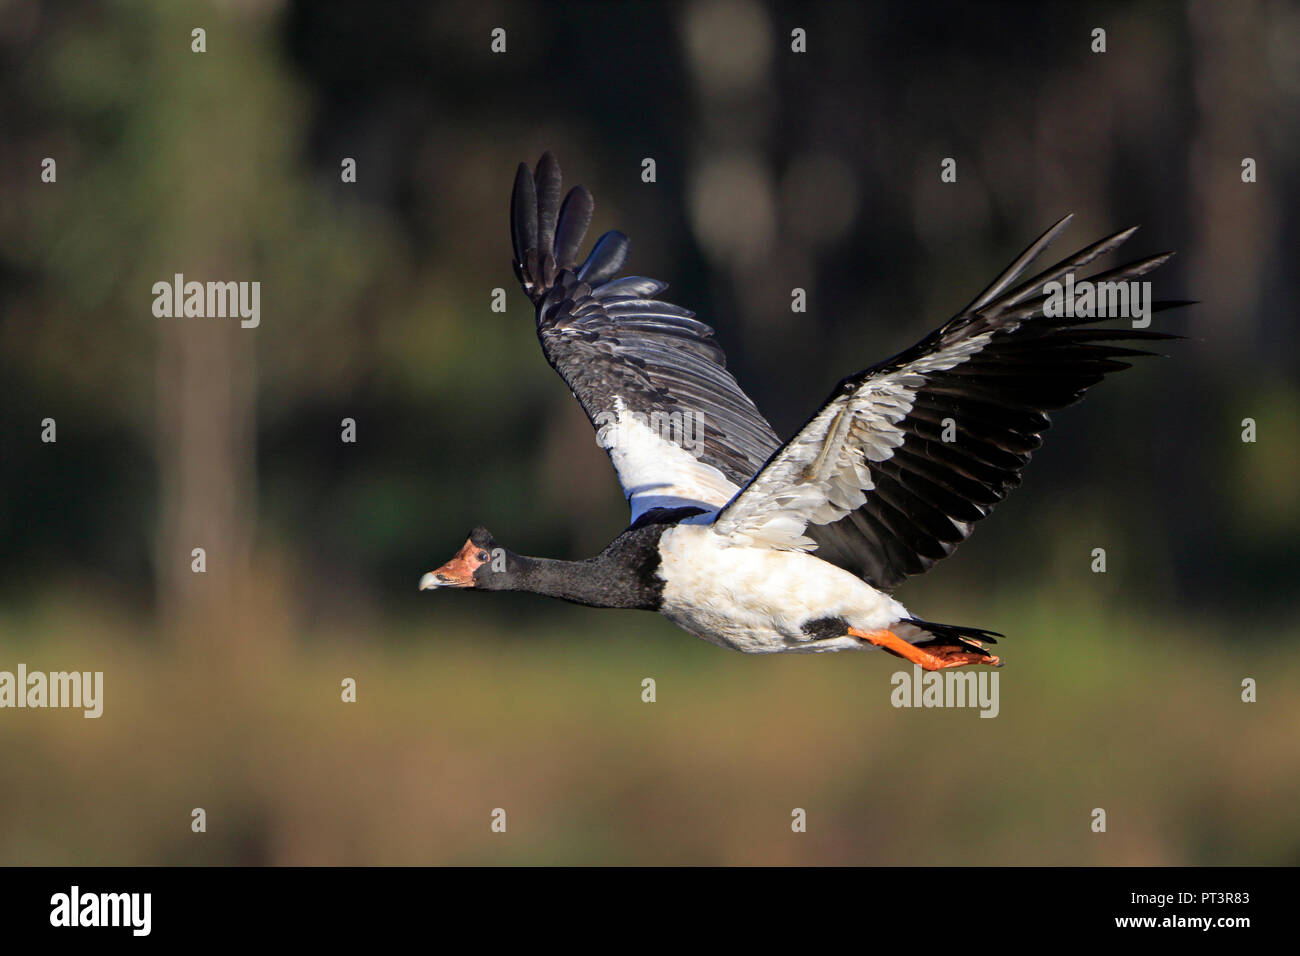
point(612, 339)
point(971, 426)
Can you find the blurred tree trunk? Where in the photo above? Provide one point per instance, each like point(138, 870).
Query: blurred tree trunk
point(212, 187)
point(1235, 222)
point(205, 455)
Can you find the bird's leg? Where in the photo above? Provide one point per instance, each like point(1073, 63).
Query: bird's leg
point(930, 655)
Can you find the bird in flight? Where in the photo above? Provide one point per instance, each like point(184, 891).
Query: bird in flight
point(770, 547)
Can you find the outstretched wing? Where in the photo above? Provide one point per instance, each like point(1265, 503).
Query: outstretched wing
point(677, 427)
point(902, 459)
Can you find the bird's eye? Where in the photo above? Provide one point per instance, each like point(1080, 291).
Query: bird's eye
point(483, 555)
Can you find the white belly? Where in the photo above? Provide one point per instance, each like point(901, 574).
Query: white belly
point(757, 600)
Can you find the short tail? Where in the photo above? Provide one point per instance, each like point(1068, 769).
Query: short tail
point(923, 633)
point(547, 234)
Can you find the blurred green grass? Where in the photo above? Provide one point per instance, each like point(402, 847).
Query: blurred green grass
point(1100, 707)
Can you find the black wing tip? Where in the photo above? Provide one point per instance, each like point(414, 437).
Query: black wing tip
point(547, 167)
point(1000, 298)
point(929, 493)
point(571, 225)
point(547, 231)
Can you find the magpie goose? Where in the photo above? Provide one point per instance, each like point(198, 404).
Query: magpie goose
point(794, 547)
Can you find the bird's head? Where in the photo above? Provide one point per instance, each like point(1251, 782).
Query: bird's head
point(468, 568)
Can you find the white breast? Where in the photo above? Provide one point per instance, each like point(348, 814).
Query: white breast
point(757, 600)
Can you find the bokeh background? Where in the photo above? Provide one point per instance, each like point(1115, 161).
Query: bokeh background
point(775, 170)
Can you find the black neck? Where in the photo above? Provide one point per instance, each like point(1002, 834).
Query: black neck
point(623, 575)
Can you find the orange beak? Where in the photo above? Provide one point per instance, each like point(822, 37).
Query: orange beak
point(456, 573)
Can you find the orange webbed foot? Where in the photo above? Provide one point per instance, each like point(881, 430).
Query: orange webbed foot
point(929, 655)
